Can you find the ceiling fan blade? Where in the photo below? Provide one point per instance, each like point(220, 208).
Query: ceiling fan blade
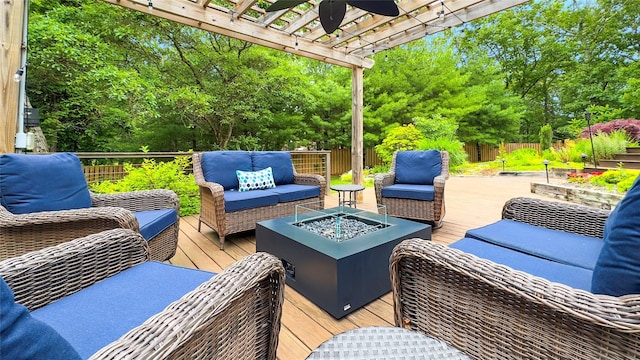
point(284, 4)
point(331, 14)
point(380, 7)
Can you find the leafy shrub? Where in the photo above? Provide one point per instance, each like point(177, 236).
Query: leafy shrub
point(582, 178)
point(607, 145)
point(399, 139)
point(436, 127)
point(620, 179)
point(626, 183)
point(523, 157)
point(630, 126)
point(546, 136)
point(367, 179)
point(380, 169)
point(455, 148)
point(158, 175)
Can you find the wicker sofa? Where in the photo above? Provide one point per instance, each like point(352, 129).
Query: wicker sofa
point(68, 291)
point(557, 241)
point(227, 210)
point(414, 186)
point(44, 201)
point(484, 305)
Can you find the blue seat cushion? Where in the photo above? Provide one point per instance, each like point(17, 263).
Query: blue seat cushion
point(293, 192)
point(418, 167)
point(33, 183)
point(98, 315)
point(409, 191)
point(236, 200)
point(22, 337)
point(562, 247)
point(220, 166)
point(279, 161)
point(617, 270)
point(153, 222)
point(573, 276)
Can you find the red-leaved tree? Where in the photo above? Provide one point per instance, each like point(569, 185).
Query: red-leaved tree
point(630, 126)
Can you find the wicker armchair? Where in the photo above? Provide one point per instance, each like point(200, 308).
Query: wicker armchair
point(212, 204)
point(432, 211)
point(25, 231)
point(490, 311)
point(20, 234)
point(234, 315)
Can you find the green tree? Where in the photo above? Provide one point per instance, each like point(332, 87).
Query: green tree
point(561, 57)
point(73, 78)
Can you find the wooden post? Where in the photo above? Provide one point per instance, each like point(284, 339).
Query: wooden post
point(11, 32)
point(357, 127)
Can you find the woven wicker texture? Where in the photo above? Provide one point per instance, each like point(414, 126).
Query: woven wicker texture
point(212, 209)
point(490, 311)
point(235, 315)
point(566, 217)
point(20, 234)
point(384, 343)
point(432, 211)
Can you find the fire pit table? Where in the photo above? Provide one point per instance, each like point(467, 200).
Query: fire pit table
point(338, 258)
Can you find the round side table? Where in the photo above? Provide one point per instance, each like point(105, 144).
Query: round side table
point(351, 191)
point(384, 343)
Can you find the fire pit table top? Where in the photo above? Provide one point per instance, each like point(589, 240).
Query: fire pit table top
point(390, 228)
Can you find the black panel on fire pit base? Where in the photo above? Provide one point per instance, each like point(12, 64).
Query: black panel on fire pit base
point(339, 277)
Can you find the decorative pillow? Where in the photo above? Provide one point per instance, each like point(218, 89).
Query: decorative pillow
point(23, 337)
point(418, 167)
point(617, 271)
point(33, 183)
point(255, 180)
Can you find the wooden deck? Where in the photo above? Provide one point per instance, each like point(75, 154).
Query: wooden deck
point(470, 202)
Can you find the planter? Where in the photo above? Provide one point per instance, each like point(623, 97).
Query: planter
point(590, 197)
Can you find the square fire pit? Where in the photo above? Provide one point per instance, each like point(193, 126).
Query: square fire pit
point(336, 272)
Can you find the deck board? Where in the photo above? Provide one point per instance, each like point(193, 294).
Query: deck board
point(470, 202)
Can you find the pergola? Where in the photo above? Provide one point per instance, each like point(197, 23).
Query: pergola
point(296, 31)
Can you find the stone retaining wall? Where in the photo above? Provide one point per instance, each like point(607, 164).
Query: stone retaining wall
point(599, 199)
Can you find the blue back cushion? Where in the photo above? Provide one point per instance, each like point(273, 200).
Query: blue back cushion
point(417, 167)
point(23, 337)
point(220, 166)
point(98, 315)
point(280, 162)
point(33, 183)
point(617, 270)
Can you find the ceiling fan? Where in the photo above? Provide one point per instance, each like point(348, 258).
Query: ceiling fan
point(332, 11)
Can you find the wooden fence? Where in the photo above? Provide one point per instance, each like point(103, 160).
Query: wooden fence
point(484, 152)
point(341, 158)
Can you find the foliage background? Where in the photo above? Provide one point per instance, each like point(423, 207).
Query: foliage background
point(109, 79)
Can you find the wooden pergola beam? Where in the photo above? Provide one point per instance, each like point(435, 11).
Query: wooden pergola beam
point(10, 61)
point(226, 22)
